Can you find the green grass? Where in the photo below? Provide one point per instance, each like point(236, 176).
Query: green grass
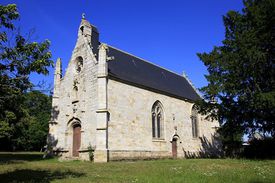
point(30, 167)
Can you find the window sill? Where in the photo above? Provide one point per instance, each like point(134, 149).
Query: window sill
point(158, 140)
point(195, 138)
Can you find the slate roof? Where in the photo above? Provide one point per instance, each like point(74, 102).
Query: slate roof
point(133, 70)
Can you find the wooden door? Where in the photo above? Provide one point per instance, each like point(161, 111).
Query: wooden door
point(76, 139)
point(174, 148)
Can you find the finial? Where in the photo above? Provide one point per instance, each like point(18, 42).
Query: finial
point(103, 46)
point(184, 74)
point(83, 15)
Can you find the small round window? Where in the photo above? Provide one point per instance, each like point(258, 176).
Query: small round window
point(79, 64)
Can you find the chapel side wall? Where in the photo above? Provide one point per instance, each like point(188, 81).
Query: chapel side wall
point(130, 125)
point(84, 104)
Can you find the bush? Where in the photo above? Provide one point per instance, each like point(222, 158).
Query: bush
point(91, 151)
point(260, 149)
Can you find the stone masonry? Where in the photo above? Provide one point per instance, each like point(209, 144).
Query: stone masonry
point(115, 117)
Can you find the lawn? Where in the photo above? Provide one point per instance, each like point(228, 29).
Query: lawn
point(30, 167)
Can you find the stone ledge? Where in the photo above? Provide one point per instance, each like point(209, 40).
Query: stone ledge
point(119, 155)
point(83, 150)
point(61, 150)
point(75, 101)
point(53, 122)
point(101, 128)
point(102, 76)
point(159, 140)
point(102, 110)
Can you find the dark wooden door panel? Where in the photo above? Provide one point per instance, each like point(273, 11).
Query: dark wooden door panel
point(174, 148)
point(76, 140)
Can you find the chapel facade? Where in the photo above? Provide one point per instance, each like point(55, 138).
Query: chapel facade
point(124, 107)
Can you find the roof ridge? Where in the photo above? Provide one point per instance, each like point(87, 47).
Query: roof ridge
point(146, 61)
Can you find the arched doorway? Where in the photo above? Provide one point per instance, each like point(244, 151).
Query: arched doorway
point(76, 139)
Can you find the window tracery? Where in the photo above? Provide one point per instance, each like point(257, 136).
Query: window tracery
point(157, 120)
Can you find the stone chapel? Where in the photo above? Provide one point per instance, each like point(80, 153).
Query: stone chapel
point(123, 107)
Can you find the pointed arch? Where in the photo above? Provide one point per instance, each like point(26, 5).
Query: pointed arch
point(157, 120)
point(73, 121)
point(75, 126)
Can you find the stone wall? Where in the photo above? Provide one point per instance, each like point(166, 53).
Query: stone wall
point(130, 125)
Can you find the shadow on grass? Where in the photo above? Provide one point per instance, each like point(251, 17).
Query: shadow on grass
point(27, 175)
point(8, 158)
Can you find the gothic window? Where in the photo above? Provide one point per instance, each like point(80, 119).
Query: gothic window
point(79, 64)
point(194, 121)
point(157, 120)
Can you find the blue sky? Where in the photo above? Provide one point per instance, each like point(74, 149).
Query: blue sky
point(167, 33)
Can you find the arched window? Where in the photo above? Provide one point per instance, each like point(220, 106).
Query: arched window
point(82, 30)
point(157, 120)
point(79, 64)
point(194, 121)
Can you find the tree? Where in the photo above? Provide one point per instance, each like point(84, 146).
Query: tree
point(19, 58)
point(241, 80)
point(32, 129)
